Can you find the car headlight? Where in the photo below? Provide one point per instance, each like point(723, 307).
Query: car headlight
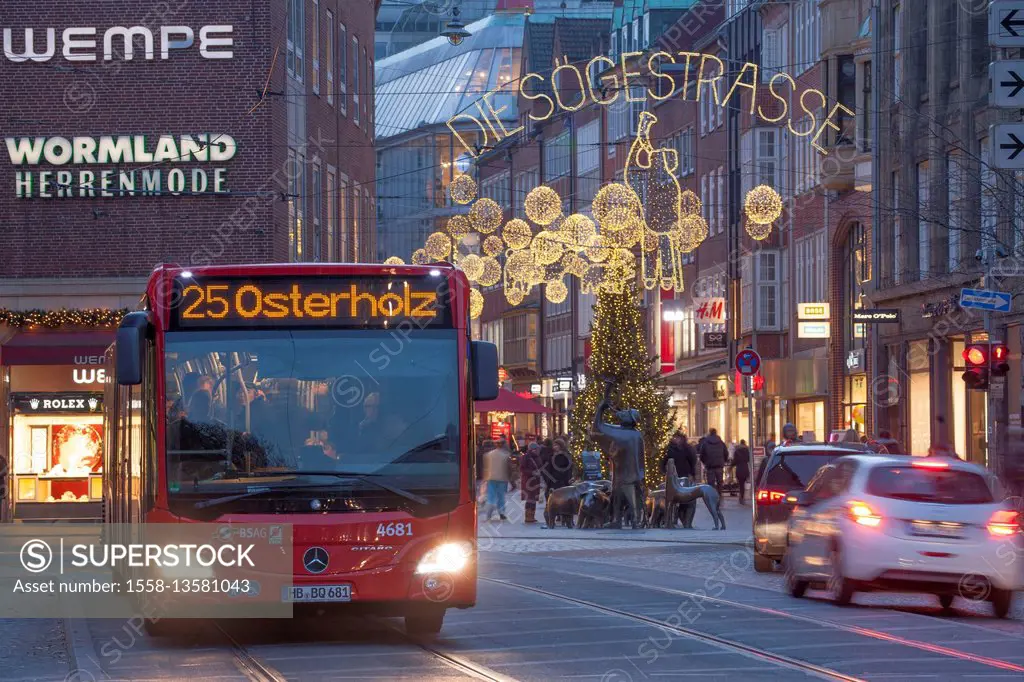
point(451, 557)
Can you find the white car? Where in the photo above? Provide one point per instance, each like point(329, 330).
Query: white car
point(907, 524)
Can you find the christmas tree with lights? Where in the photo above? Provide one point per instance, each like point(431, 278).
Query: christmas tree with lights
point(619, 353)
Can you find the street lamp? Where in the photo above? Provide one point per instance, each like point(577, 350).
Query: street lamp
point(455, 31)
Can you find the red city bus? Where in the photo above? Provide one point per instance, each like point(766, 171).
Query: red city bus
point(335, 398)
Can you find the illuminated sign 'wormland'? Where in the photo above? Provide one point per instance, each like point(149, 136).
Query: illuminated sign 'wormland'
point(572, 89)
point(119, 151)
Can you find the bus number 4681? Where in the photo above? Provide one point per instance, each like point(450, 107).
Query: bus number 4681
point(394, 529)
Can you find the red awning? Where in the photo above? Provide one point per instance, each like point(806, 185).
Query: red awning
point(507, 401)
point(56, 348)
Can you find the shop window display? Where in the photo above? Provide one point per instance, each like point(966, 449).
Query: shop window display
point(57, 457)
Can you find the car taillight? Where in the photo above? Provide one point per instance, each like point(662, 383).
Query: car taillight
point(1003, 523)
point(770, 497)
point(930, 464)
point(863, 514)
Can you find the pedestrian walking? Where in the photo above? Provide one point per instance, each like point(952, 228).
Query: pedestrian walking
point(529, 482)
point(561, 464)
point(713, 455)
point(497, 474)
point(546, 452)
point(680, 452)
point(741, 460)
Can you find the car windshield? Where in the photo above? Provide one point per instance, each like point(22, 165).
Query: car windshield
point(794, 470)
point(275, 404)
point(937, 486)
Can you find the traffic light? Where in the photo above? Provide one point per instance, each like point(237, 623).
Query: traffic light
point(1000, 360)
point(976, 363)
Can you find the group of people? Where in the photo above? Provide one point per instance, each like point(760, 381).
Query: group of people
point(713, 454)
point(542, 467)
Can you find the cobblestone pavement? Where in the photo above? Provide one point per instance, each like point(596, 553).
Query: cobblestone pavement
point(32, 650)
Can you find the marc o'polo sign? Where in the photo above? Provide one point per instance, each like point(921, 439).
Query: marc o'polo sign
point(86, 167)
point(876, 315)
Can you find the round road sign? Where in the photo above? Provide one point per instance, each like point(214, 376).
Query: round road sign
point(748, 362)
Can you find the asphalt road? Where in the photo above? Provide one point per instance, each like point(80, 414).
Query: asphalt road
point(588, 610)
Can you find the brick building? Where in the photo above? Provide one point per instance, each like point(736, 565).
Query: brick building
point(180, 132)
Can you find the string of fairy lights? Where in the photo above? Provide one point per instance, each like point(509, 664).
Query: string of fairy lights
point(626, 237)
point(65, 317)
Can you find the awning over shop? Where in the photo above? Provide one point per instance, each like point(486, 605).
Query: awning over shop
point(698, 370)
point(507, 401)
point(56, 348)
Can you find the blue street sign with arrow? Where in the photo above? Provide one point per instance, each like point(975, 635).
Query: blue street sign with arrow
point(1006, 23)
point(1007, 81)
point(983, 299)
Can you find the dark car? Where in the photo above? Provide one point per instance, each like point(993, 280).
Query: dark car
point(790, 467)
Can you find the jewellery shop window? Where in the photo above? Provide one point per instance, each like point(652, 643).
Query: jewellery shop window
point(57, 441)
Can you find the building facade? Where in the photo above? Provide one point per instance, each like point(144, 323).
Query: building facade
point(189, 133)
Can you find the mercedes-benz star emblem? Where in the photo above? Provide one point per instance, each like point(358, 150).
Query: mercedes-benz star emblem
point(315, 559)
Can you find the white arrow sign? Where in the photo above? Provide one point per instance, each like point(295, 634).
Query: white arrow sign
point(1007, 146)
point(1006, 23)
point(1007, 79)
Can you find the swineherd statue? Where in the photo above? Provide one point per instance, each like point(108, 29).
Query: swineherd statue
point(678, 495)
point(624, 447)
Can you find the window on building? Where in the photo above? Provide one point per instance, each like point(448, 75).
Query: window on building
point(897, 232)
point(588, 161)
point(864, 110)
point(368, 81)
point(296, 214)
point(989, 207)
point(356, 82)
point(316, 47)
point(897, 50)
point(331, 219)
point(343, 68)
point(329, 57)
point(357, 226)
point(704, 202)
point(955, 180)
point(296, 37)
point(924, 241)
point(557, 157)
point(806, 34)
point(846, 94)
point(768, 299)
point(639, 93)
point(316, 198)
point(771, 60)
point(525, 182)
point(344, 229)
point(684, 145)
point(720, 200)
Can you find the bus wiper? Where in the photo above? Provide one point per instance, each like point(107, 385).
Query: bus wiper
point(369, 478)
point(426, 445)
point(240, 496)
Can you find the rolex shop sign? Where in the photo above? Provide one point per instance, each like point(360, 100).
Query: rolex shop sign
point(74, 167)
point(49, 403)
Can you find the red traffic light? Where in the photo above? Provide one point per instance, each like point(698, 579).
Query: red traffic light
point(976, 355)
point(1000, 352)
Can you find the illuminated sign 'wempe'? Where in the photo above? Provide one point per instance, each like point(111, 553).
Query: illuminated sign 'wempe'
point(309, 302)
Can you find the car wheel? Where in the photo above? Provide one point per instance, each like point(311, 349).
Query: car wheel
point(794, 584)
point(946, 601)
point(839, 587)
point(763, 564)
point(428, 623)
point(1002, 602)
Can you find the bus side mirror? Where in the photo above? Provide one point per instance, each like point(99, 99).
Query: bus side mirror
point(130, 343)
point(485, 370)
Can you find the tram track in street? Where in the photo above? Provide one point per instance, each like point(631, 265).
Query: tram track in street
point(250, 666)
point(455, 661)
point(779, 660)
point(769, 611)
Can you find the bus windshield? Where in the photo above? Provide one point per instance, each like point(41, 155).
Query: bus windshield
point(277, 405)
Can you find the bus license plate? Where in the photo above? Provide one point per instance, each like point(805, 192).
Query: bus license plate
point(316, 593)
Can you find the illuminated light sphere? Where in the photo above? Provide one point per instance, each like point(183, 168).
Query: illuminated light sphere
point(517, 233)
point(394, 260)
point(543, 205)
point(420, 257)
point(758, 231)
point(689, 203)
point(598, 249)
point(614, 205)
point(573, 264)
point(458, 226)
point(693, 230)
point(438, 246)
point(485, 215)
point(493, 245)
point(476, 303)
point(545, 248)
point(576, 231)
point(491, 274)
point(518, 264)
point(514, 296)
point(763, 205)
point(472, 265)
point(462, 189)
point(556, 291)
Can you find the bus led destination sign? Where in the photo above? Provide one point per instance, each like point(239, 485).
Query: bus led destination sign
point(309, 302)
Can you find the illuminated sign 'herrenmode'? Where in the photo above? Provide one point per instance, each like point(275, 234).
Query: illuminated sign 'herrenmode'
point(308, 302)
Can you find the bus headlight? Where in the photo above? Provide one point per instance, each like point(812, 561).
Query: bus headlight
point(451, 557)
